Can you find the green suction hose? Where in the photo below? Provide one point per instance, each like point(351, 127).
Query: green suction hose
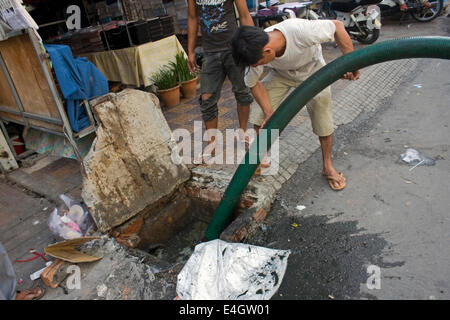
point(421, 47)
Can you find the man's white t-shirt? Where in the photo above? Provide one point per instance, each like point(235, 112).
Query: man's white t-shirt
point(303, 53)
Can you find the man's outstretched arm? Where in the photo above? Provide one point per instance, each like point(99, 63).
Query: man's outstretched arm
point(262, 98)
point(344, 43)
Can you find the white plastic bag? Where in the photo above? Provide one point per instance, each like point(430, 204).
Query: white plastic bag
point(218, 270)
point(413, 157)
point(71, 220)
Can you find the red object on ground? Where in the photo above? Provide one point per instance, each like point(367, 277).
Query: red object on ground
point(18, 144)
point(36, 255)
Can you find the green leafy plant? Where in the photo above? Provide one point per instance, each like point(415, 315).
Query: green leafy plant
point(180, 67)
point(165, 78)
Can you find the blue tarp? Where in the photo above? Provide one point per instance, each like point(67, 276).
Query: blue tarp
point(79, 80)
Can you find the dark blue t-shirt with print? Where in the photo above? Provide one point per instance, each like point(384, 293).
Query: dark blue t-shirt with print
point(218, 23)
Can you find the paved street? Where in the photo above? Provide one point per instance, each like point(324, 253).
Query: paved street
point(391, 216)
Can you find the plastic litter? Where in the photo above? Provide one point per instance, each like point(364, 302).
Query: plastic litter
point(70, 220)
point(37, 274)
point(414, 158)
point(218, 270)
point(36, 256)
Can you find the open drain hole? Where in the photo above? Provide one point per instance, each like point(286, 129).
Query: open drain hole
point(171, 230)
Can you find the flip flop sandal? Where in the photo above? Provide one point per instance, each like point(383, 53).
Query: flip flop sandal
point(264, 165)
point(201, 158)
point(41, 295)
point(330, 181)
point(35, 298)
point(260, 167)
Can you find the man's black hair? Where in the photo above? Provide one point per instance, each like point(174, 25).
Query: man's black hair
point(247, 45)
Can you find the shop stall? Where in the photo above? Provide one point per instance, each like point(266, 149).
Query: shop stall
point(129, 49)
point(46, 84)
point(44, 90)
point(135, 65)
point(29, 94)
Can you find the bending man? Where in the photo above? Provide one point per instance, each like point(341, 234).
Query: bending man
point(292, 52)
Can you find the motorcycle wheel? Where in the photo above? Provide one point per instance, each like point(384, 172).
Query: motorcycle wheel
point(428, 14)
point(371, 37)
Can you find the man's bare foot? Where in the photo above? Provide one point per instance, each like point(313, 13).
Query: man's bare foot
point(206, 155)
point(265, 163)
point(30, 294)
point(247, 142)
point(426, 4)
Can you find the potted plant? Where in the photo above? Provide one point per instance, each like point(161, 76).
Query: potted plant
point(166, 80)
point(187, 79)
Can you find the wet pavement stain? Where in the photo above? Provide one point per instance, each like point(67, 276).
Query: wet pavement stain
point(327, 259)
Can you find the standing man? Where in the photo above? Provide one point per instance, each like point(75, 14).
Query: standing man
point(291, 50)
point(218, 22)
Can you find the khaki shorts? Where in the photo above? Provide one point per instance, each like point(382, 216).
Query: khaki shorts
point(319, 108)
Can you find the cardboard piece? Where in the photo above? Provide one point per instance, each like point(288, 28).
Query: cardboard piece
point(67, 251)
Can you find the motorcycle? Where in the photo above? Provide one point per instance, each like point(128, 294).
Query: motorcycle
point(361, 18)
point(414, 8)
